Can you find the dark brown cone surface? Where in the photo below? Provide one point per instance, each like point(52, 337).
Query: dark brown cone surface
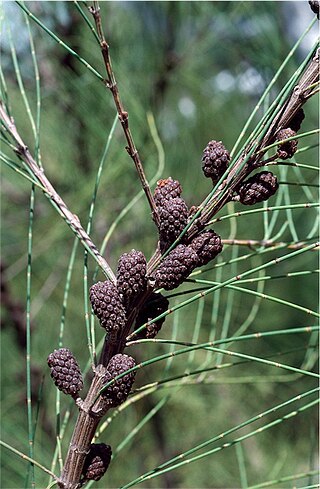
point(215, 160)
point(107, 306)
point(176, 267)
point(153, 307)
point(65, 371)
point(207, 245)
point(173, 216)
point(97, 461)
point(258, 188)
point(166, 189)
point(286, 150)
point(118, 392)
point(131, 275)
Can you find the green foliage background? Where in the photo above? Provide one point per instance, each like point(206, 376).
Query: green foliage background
point(173, 60)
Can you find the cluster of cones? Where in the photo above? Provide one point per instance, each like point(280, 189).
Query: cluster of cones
point(135, 289)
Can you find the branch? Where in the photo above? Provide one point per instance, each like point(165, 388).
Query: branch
point(298, 97)
point(123, 114)
point(91, 411)
point(251, 243)
point(250, 159)
point(21, 149)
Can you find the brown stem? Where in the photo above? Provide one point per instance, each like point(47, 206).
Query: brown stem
point(91, 412)
point(298, 97)
point(122, 114)
point(72, 219)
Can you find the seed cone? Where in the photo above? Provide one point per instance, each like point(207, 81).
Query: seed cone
point(286, 150)
point(65, 371)
point(215, 160)
point(118, 392)
point(207, 245)
point(107, 306)
point(131, 275)
point(166, 189)
point(176, 267)
point(173, 216)
point(153, 307)
point(97, 461)
point(259, 187)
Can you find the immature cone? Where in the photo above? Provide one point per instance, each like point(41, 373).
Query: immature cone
point(97, 462)
point(118, 392)
point(286, 150)
point(173, 215)
point(153, 307)
point(215, 160)
point(65, 371)
point(259, 187)
point(166, 189)
point(207, 245)
point(176, 267)
point(131, 275)
point(107, 306)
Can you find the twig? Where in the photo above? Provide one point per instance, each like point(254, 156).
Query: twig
point(25, 457)
point(72, 220)
point(296, 100)
point(91, 412)
point(123, 114)
point(251, 157)
point(266, 243)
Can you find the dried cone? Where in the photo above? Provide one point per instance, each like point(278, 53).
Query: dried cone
point(153, 307)
point(176, 267)
point(166, 189)
point(118, 392)
point(286, 150)
point(259, 187)
point(207, 245)
point(131, 275)
point(65, 371)
point(97, 462)
point(215, 160)
point(173, 215)
point(107, 306)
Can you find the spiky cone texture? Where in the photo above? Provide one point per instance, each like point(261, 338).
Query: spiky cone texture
point(131, 275)
point(117, 392)
point(173, 215)
point(107, 306)
point(153, 307)
point(286, 150)
point(97, 462)
point(65, 371)
point(176, 267)
point(207, 245)
point(215, 160)
point(166, 189)
point(258, 188)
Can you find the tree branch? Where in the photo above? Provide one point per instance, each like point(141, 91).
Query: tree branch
point(123, 115)
point(21, 149)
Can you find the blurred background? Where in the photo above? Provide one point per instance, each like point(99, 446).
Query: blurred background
point(197, 69)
